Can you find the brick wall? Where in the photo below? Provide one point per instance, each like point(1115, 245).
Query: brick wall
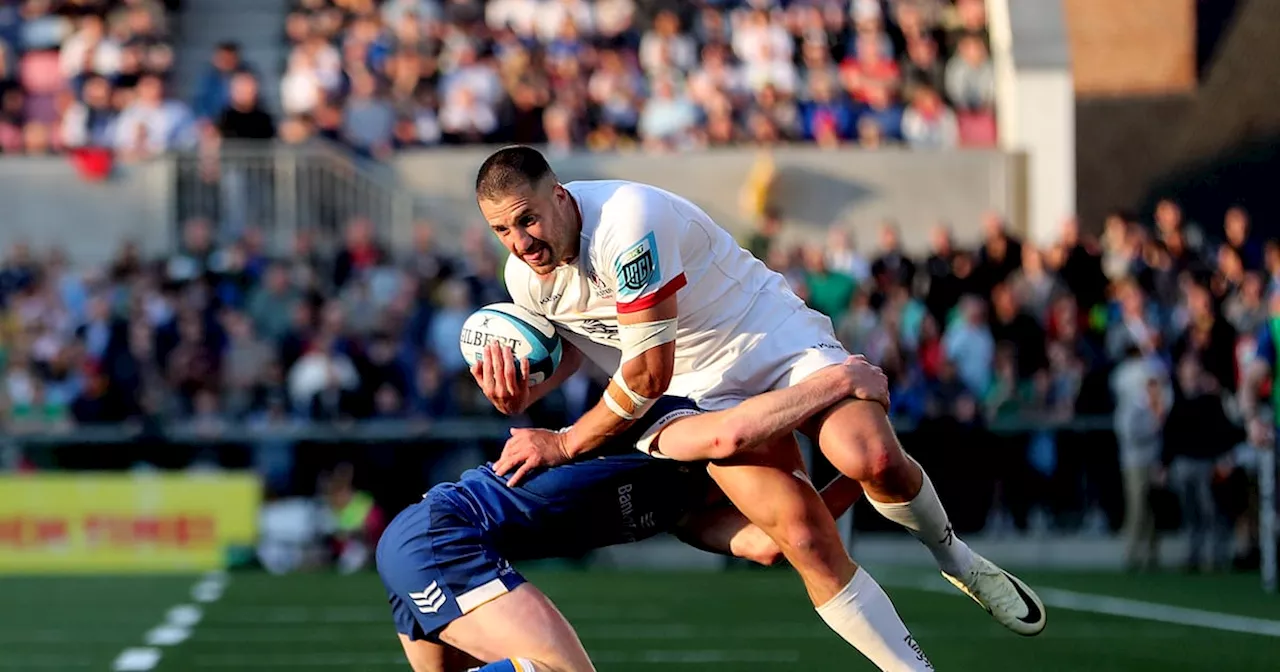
point(1132, 47)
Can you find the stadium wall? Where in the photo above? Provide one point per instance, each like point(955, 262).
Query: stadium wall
point(47, 203)
point(814, 188)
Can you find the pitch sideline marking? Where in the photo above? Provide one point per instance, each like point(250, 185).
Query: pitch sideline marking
point(1138, 609)
point(176, 628)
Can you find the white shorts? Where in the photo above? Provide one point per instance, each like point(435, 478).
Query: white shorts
point(804, 343)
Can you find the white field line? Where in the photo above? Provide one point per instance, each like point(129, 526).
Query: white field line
point(1138, 609)
point(176, 628)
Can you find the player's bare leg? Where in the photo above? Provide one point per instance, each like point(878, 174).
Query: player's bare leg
point(793, 515)
point(425, 656)
point(846, 597)
point(858, 440)
point(521, 631)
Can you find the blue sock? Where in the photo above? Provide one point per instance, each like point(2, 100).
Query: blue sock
point(509, 665)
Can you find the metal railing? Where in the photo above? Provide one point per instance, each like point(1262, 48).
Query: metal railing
point(283, 189)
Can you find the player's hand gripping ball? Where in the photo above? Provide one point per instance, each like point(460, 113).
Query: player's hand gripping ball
point(509, 349)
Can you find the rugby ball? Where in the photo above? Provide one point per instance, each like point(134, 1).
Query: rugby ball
point(530, 337)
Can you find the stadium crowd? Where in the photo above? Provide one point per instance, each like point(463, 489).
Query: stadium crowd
point(1151, 323)
point(76, 73)
point(617, 74)
point(606, 75)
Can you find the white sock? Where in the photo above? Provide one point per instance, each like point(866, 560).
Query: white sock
point(926, 520)
point(862, 615)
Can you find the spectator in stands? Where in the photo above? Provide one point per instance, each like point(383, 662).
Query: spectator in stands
point(1000, 254)
point(446, 328)
point(1239, 238)
point(1185, 240)
point(1207, 337)
point(154, 124)
point(1238, 474)
point(668, 119)
point(927, 123)
point(195, 256)
point(921, 65)
point(194, 363)
point(91, 121)
point(1137, 325)
point(779, 115)
point(464, 119)
point(1142, 394)
point(870, 66)
point(89, 50)
point(471, 72)
point(1080, 266)
point(893, 266)
point(829, 291)
point(970, 347)
point(843, 257)
point(361, 252)
point(368, 120)
point(1229, 274)
point(1035, 286)
point(971, 79)
point(883, 110)
point(247, 358)
point(1197, 434)
point(826, 111)
point(244, 117)
point(41, 28)
point(946, 275)
point(301, 89)
point(1020, 333)
point(323, 382)
point(665, 51)
point(214, 90)
point(1246, 310)
point(858, 322)
point(616, 88)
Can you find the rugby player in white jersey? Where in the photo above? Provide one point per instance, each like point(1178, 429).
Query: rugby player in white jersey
point(645, 284)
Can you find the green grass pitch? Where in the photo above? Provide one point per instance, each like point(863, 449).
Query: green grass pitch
point(733, 621)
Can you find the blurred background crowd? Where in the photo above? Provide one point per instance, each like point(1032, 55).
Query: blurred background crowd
point(1158, 325)
point(608, 75)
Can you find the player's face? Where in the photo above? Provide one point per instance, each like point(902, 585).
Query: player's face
point(538, 224)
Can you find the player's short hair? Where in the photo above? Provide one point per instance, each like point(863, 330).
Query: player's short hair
point(511, 168)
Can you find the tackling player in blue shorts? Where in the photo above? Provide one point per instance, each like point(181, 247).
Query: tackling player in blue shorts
point(446, 561)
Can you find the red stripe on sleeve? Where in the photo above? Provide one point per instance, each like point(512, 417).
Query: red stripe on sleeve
point(655, 298)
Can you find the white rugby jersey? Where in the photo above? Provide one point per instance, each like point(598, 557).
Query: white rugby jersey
point(640, 245)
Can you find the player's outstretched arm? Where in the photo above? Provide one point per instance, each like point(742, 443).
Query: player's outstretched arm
point(764, 418)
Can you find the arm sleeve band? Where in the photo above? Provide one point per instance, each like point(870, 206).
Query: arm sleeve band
point(636, 338)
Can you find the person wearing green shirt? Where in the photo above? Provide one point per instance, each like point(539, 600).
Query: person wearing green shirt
point(829, 291)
